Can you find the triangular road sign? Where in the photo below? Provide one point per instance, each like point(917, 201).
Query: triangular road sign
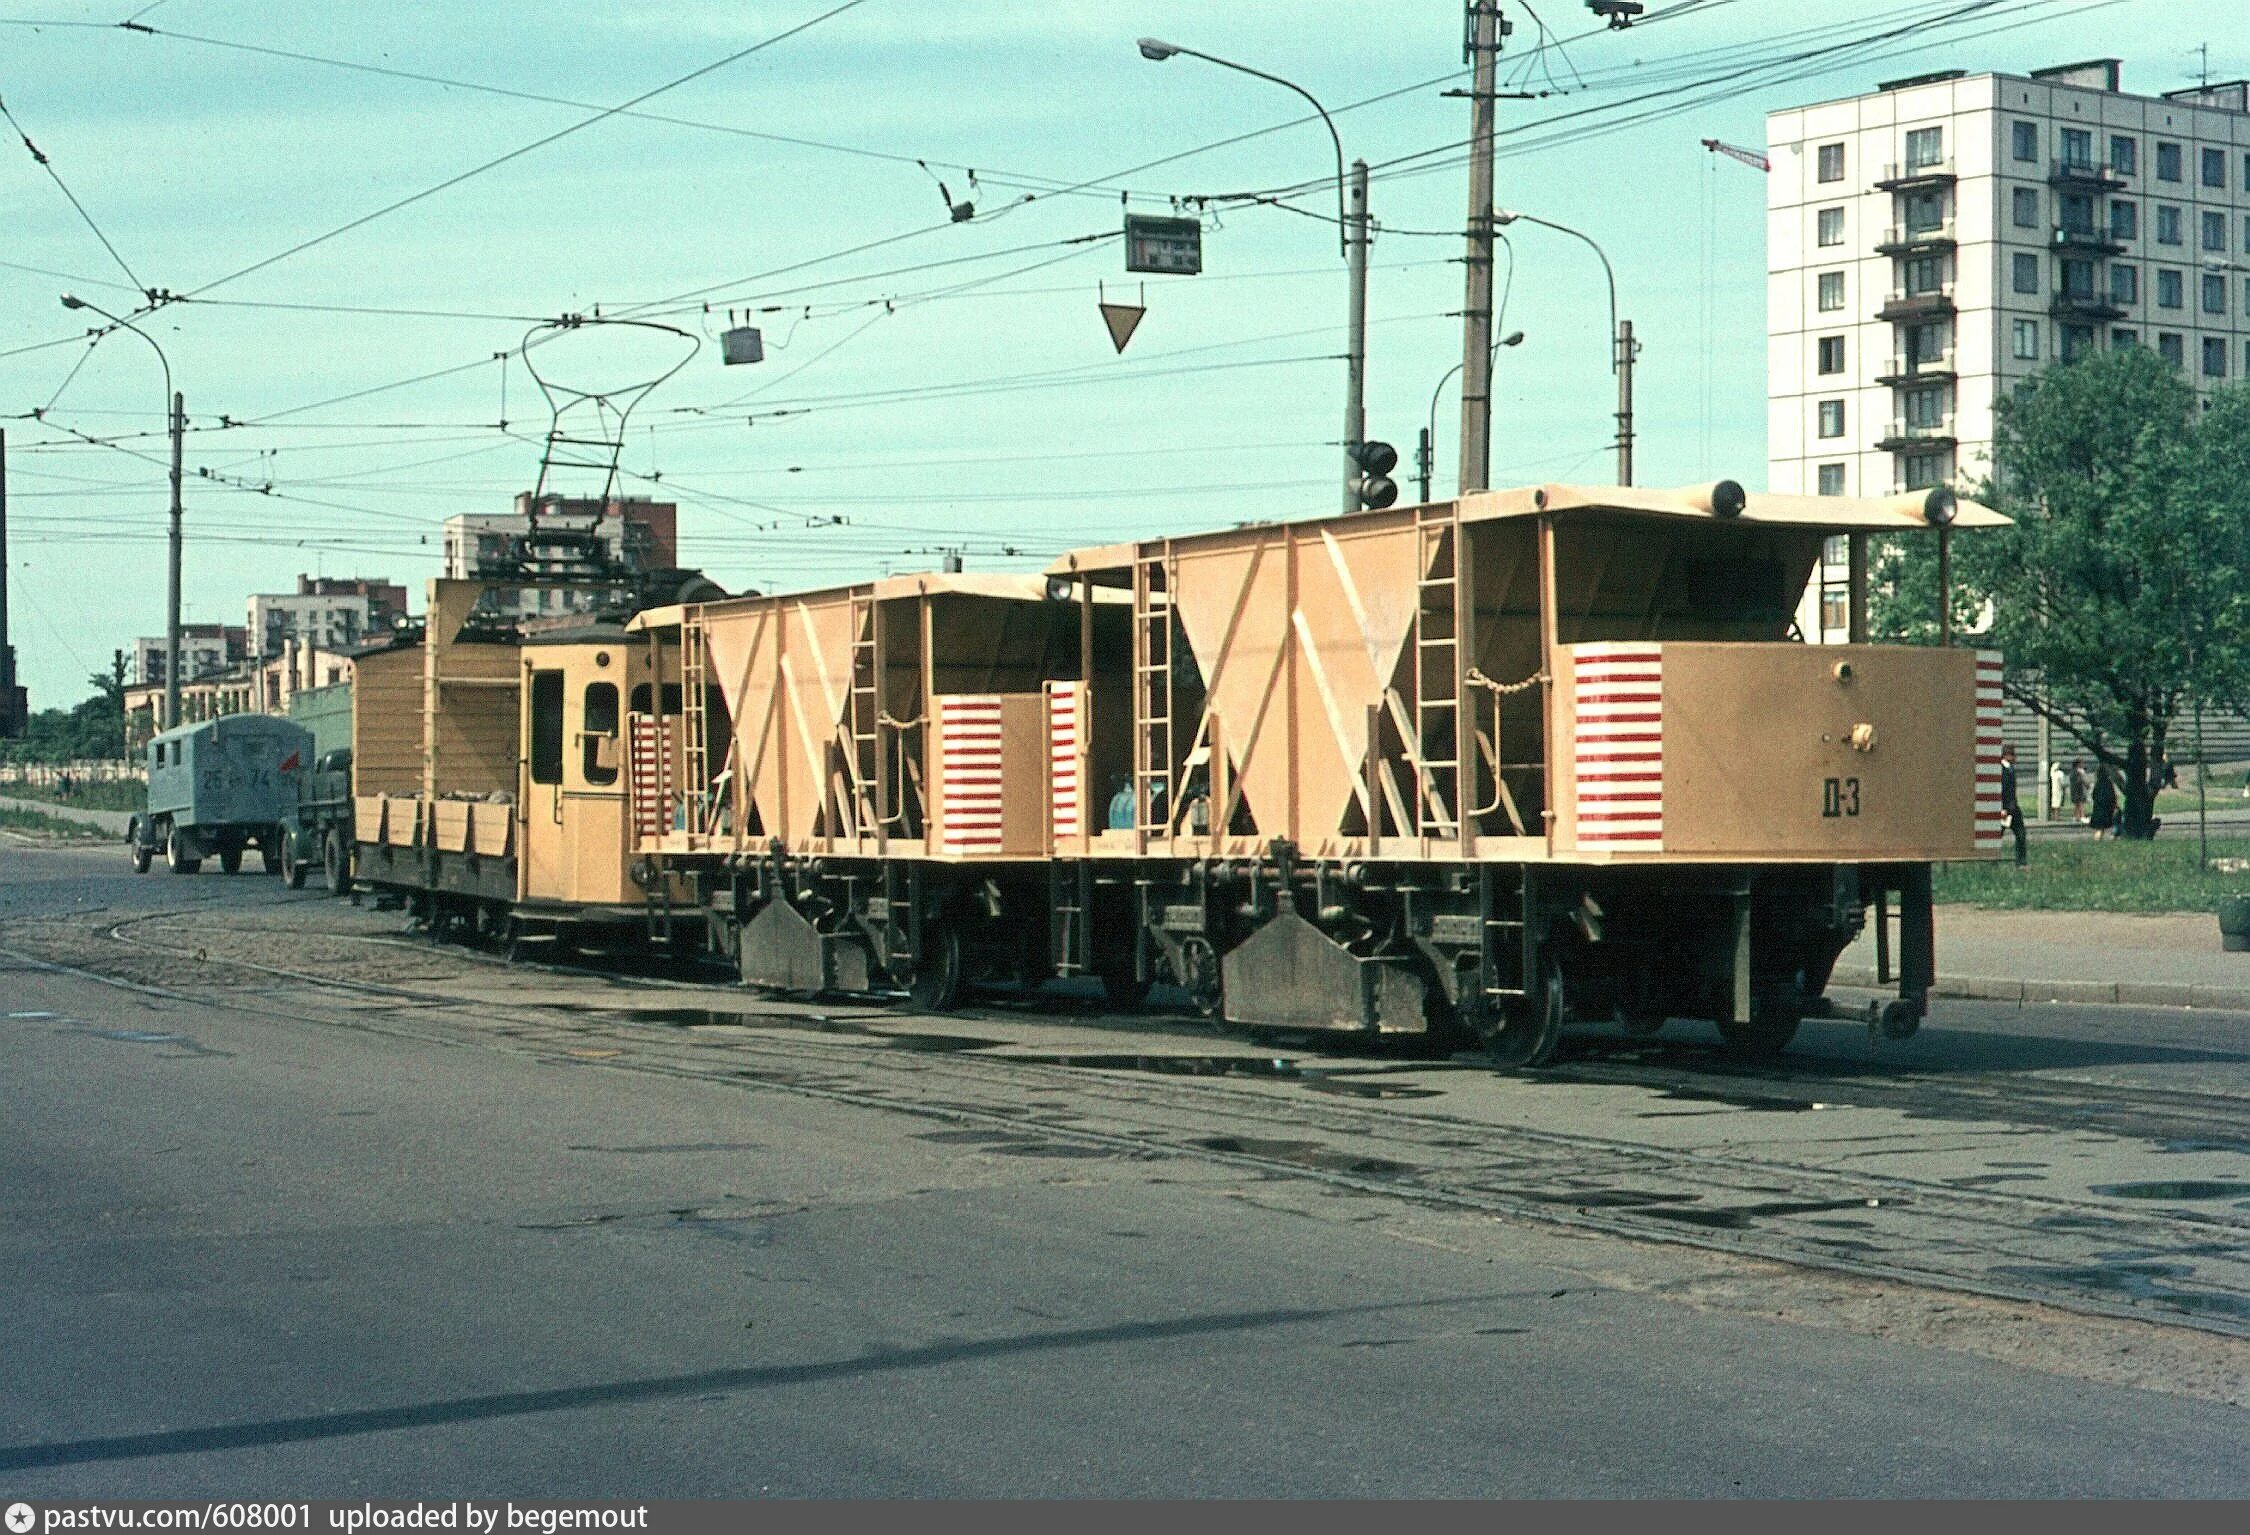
point(1121, 319)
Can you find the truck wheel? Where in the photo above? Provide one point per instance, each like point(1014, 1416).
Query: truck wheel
point(269, 852)
point(293, 874)
point(175, 854)
point(335, 866)
point(230, 860)
point(141, 853)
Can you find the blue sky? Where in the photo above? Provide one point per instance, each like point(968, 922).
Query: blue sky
point(974, 403)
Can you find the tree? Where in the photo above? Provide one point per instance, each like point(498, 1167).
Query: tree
point(92, 728)
point(2118, 595)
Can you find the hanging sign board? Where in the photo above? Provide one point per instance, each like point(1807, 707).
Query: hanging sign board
point(742, 344)
point(1168, 245)
point(1121, 320)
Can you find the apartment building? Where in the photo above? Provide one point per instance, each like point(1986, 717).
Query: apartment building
point(570, 539)
point(1931, 244)
point(327, 612)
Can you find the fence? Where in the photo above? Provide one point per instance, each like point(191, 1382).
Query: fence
point(91, 770)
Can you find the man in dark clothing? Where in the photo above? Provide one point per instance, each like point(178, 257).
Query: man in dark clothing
point(2008, 805)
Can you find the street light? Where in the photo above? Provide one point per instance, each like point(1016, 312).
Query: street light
point(1622, 346)
point(1351, 233)
point(176, 410)
point(1429, 432)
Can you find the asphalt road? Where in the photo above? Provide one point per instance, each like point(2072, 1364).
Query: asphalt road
point(254, 1255)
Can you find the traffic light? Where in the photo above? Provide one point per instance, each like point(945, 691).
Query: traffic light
point(1373, 484)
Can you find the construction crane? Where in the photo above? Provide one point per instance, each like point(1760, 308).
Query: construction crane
point(1749, 157)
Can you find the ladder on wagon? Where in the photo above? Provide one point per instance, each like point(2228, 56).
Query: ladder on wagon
point(862, 721)
point(1152, 683)
point(695, 727)
point(1438, 727)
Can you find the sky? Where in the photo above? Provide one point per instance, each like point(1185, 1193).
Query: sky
point(357, 366)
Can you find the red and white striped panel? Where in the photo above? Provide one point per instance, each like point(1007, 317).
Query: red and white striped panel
point(647, 776)
point(970, 742)
point(1618, 697)
point(1992, 821)
point(1065, 727)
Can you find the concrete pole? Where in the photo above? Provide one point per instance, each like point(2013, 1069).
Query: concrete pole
point(1422, 455)
point(1476, 311)
point(172, 575)
point(1856, 590)
point(1355, 375)
point(1627, 347)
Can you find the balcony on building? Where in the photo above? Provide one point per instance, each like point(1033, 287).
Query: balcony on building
point(2085, 304)
point(1907, 177)
point(1910, 436)
point(2091, 175)
point(1906, 240)
point(2085, 239)
point(1901, 305)
point(1935, 369)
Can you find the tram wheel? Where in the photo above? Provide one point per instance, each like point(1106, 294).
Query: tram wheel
point(936, 987)
point(1526, 1032)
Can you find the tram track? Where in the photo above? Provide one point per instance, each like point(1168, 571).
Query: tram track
point(1362, 1130)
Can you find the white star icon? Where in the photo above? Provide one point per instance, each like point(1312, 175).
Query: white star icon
point(20, 1518)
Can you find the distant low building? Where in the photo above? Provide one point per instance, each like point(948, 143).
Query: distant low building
point(331, 612)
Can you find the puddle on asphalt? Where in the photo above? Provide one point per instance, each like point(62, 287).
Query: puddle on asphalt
point(2156, 1282)
point(1604, 1199)
point(2181, 1188)
point(1684, 1094)
point(1738, 1217)
point(1305, 1154)
point(136, 1036)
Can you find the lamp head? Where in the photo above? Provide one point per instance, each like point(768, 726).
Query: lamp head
point(1157, 49)
point(1940, 507)
point(73, 301)
point(1505, 216)
point(1513, 338)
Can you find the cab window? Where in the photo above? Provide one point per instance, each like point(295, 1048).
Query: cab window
point(546, 727)
point(598, 733)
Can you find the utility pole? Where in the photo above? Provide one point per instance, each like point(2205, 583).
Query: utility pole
point(1485, 30)
point(1627, 350)
point(12, 705)
point(172, 576)
point(1422, 456)
point(1355, 378)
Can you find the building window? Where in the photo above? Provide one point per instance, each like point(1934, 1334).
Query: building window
point(1831, 479)
point(2246, 233)
point(2124, 220)
point(1925, 147)
point(2078, 148)
point(2167, 162)
point(1925, 344)
point(1831, 162)
point(2027, 340)
point(2076, 342)
point(2026, 141)
point(2025, 201)
point(2214, 293)
point(2078, 278)
point(2121, 338)
point(2124, 154)
point(2124, 284)
point(2076, 213)
point(1831, 291)
point(1831, 418)
point(1925, 211)
point(1831, 354)
point(2170, 288)
point(2214, 167)
point(2214, 357)
point(1925, 407)
point(1831, 226)
point(2214, 231)
point(1925, 274)
point(2171, 348)
point(2167, 224)
point(1924, 470)
point(2027, 272)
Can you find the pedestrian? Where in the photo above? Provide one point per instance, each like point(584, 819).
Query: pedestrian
point(2078, 790)
point(2009, 805)
point(2058, 788)
point(2104, 815)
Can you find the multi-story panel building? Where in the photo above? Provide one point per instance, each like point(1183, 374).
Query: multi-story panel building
point(630, 534)
point(328, 612)
point(205, 650)
point(1933, 243)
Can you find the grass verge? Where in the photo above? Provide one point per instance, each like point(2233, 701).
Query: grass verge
point(127, 794)
point(2080, 874)
point(43, 824)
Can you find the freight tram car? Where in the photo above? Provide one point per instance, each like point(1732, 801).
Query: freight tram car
point(1485, 765)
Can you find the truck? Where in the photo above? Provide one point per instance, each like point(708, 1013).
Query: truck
point(219, 788)
point(317, 830)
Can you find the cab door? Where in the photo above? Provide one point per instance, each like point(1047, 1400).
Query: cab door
point(593, 799)
point(540, 804)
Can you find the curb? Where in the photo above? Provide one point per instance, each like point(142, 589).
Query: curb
point(2233, 999)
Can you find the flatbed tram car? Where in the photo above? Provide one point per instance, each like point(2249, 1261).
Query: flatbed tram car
point(1489, 764)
